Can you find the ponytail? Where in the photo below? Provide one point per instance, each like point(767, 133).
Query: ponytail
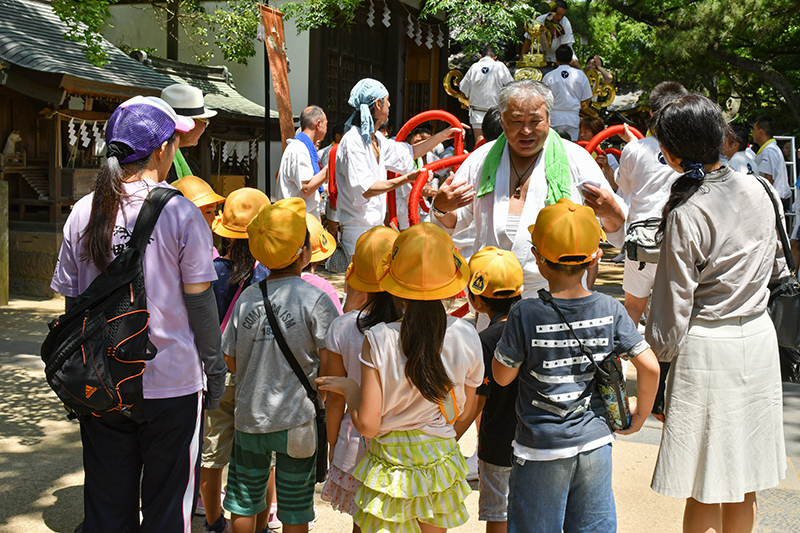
point(422, 338)
point(682, 189)
point(107, 200)
point(109, 192)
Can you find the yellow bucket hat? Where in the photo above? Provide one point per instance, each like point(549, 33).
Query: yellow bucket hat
point(494, 270)
point(567, 233)
point(240, 208)
point(322, 243)
point(423, 265)
point(197, 190)
point(362, 273)
point(277, 233)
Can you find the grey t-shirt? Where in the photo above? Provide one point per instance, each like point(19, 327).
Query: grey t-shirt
point(269, 396)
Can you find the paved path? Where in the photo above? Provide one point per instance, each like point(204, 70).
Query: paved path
point(40, 452)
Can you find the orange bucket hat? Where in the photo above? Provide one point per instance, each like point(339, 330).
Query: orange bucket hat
point(240, 208)
point(362, 273)
point(423, 265)
point(197, 190)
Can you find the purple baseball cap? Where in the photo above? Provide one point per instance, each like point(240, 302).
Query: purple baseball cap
point(143, 124)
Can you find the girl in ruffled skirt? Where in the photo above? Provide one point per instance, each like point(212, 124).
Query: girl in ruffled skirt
point(345, 338)
point(417, 375)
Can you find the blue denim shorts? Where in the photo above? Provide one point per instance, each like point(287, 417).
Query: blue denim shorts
point(573, 495)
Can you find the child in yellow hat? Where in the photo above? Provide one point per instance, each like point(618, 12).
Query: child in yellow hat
point(322, 247)
point(417, 375)
point(201, 194)
point(562, 435)
point(273, 411)
point(495, 286)
point(345, 339)
point(236, 271)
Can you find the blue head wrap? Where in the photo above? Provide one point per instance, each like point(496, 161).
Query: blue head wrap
point(693, 170)
point(362, 96)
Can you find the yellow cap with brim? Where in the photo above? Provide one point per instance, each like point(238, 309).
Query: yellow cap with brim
point(423, 265)
point(197, 190)
point(278, 232)
point(322, 243)
point(567, 233)
point(240, 208)
point(494, 271)
point(362, 274)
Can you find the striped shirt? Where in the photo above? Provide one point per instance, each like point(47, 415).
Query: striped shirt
point(558, 406)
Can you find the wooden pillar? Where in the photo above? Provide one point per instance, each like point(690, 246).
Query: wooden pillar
point(54, 171)
point(204, 151)
point(3, 242)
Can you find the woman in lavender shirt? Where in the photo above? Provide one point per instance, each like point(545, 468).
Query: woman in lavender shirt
point(154, 453)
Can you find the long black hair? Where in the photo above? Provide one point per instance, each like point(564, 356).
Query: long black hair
point(109, 192)
point(242, 261)
point(692, 129)
point(422, 340)
point(379, 309)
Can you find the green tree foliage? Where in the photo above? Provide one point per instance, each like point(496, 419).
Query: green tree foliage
point(234, 26)
point(748, 48)
point(472, 21)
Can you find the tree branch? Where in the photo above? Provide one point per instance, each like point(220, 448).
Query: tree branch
point(640, 16)
point(765, 72)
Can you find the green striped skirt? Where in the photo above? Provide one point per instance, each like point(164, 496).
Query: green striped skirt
point(409, 477)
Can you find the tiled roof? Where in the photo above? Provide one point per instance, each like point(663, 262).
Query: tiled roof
point(217, 86)
point(31, 36)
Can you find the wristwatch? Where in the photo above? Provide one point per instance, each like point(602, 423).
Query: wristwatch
point(436, 212)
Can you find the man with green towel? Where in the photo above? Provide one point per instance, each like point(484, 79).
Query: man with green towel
point(188, 102)
point(501, 187)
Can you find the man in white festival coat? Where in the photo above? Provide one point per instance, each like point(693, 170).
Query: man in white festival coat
point(364, 156)
point(500, 217)
point(300, 175)
point(482, 84)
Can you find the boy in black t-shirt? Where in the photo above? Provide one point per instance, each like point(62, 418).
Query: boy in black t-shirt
point(495, 285)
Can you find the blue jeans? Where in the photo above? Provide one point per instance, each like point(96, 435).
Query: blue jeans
point(573, 495)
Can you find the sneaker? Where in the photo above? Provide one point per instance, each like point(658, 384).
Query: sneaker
point(200, 510)
point(220, 526)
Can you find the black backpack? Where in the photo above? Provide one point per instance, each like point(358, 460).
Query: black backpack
point(95, 354)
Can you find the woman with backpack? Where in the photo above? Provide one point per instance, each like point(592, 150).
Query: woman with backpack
point(152, 452)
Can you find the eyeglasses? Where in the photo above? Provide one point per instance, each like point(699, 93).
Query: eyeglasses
point(204, 121)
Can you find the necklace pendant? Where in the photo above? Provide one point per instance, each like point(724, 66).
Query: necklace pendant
point(517, 193)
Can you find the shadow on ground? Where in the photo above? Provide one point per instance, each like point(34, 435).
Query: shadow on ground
point(40, 463)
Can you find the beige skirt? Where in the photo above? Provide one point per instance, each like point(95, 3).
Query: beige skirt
point(723, 436)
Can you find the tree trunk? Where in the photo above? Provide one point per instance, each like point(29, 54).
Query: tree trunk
point(172, 29)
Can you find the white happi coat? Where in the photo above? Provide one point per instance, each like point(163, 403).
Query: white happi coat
point(486, 217)
point(356, 171)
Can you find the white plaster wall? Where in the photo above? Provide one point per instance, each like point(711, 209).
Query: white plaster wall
point(139, 27)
